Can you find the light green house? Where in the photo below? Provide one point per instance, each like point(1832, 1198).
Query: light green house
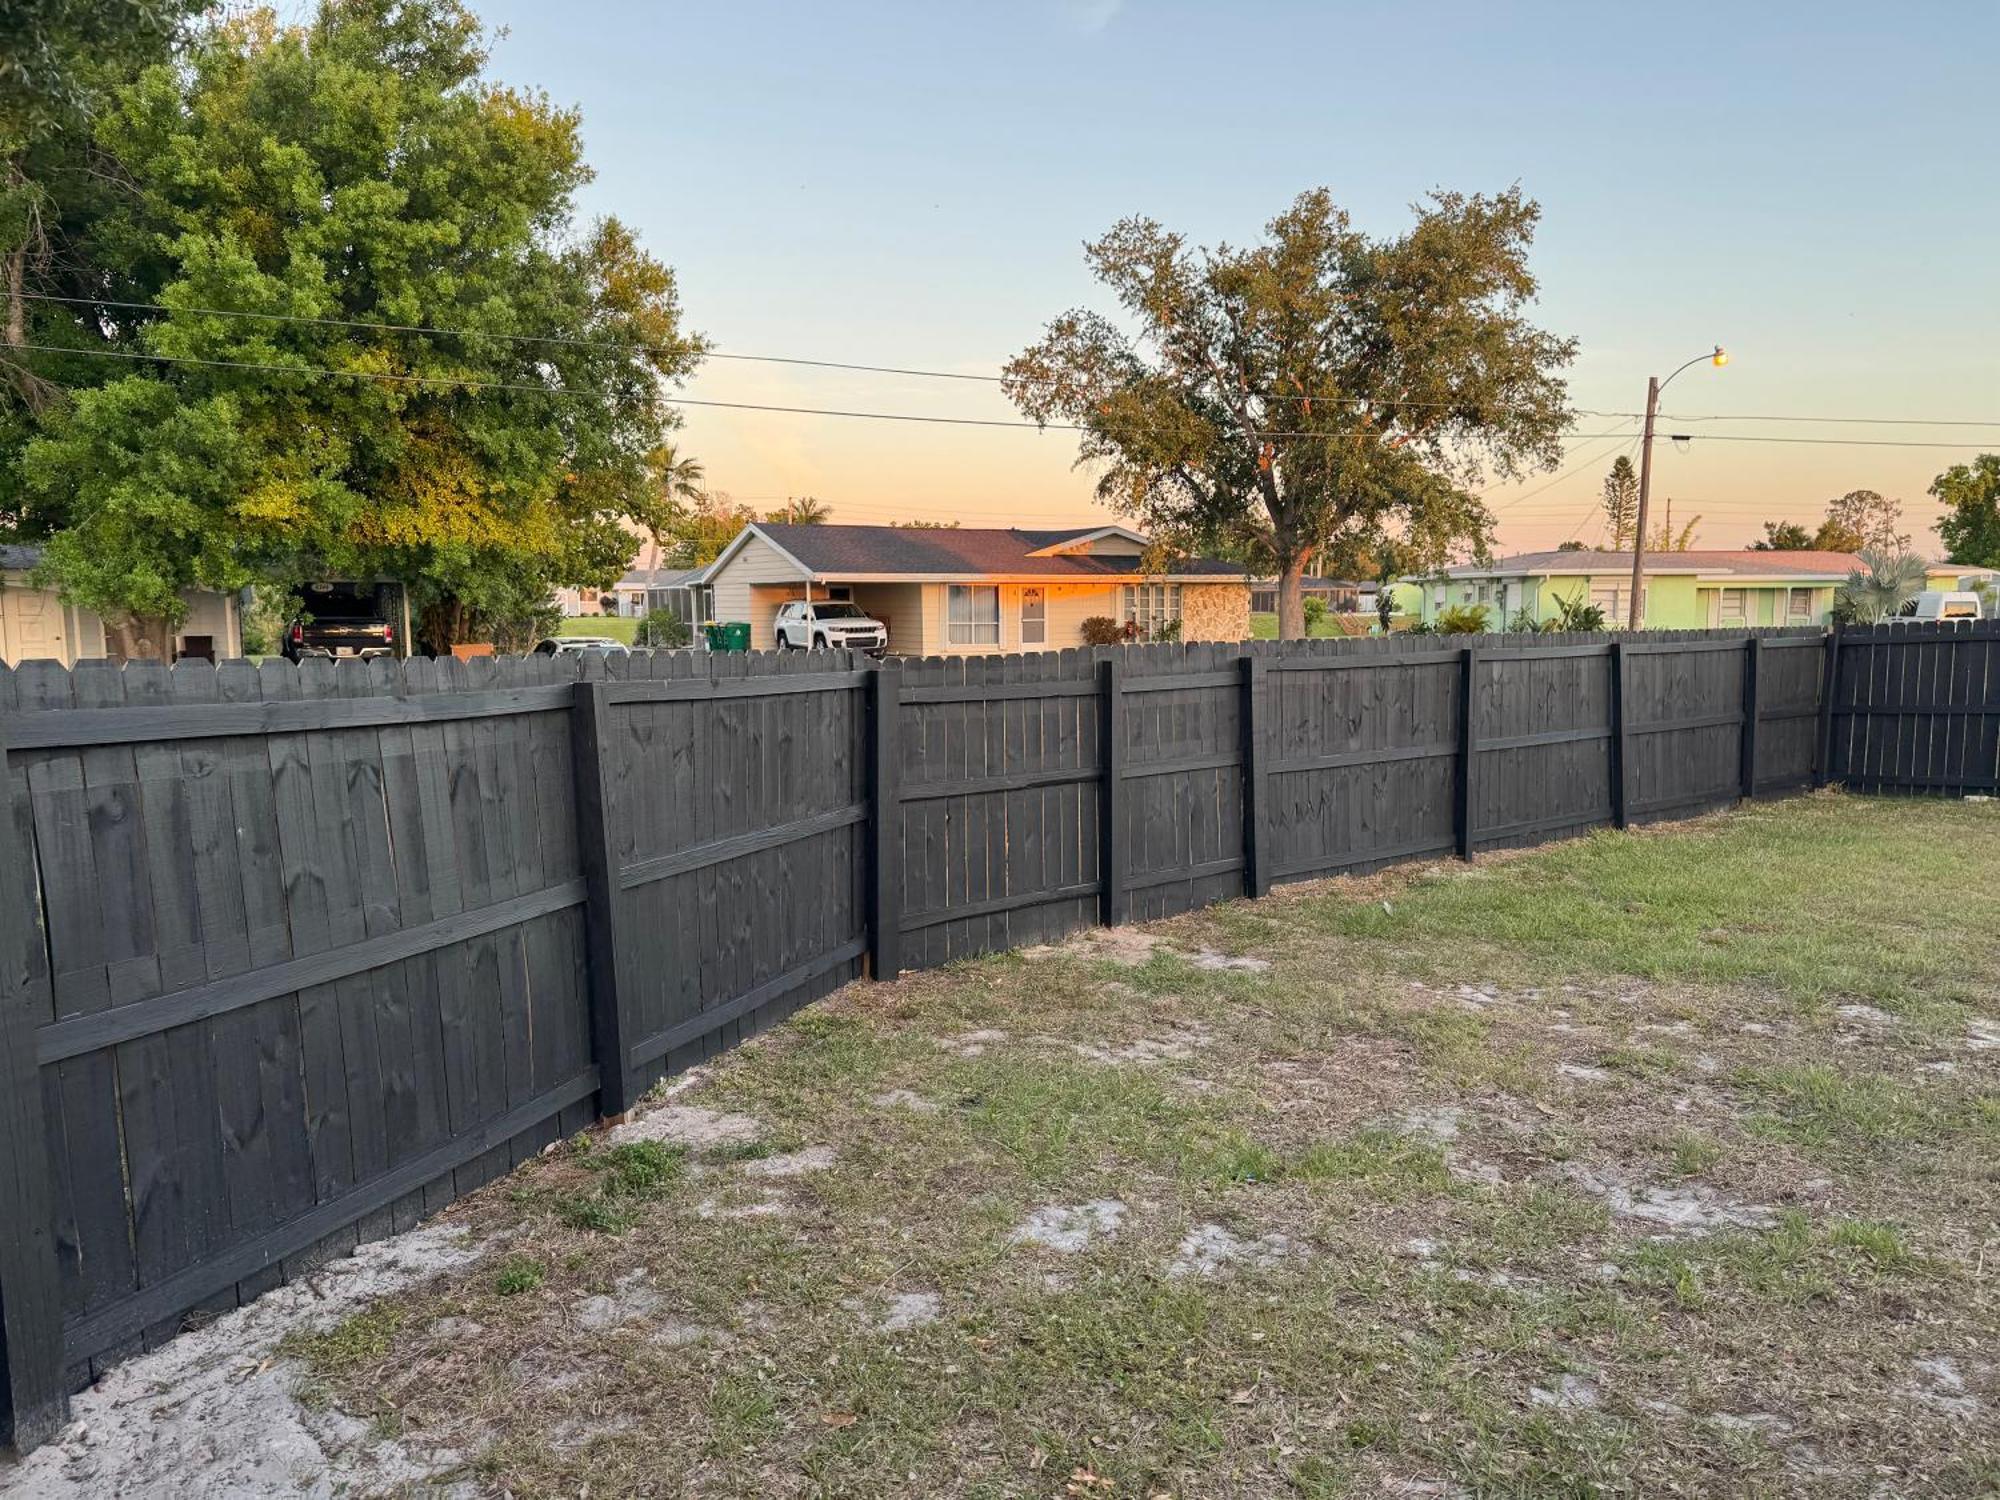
point(1684, 590)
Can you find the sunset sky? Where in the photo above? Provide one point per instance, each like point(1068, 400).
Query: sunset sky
point(1813, 185)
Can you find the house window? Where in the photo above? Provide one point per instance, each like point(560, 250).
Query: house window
point(1732, 606)
point(1612, 598)
point(1150, 605)
point(1798, 604)
point(972, 615)
point(1034, 617)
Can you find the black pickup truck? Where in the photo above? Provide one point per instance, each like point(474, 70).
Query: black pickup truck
point(346, 619)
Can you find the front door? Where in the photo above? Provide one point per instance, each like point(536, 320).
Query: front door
point(31, 626)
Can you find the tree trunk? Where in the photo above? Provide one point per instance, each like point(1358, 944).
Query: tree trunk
point(17, 306)
point(1292, 598)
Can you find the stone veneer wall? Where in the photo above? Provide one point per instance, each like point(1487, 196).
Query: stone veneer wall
point(1215, 612)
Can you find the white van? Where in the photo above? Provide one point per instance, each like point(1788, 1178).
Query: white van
point(1942, 604)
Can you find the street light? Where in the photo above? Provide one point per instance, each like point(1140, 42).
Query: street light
point(1719, 357)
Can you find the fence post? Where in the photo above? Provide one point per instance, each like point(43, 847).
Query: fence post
point(1468, 748)
point(590, 734)
point(1620, 745)
point(1111, 838)
point(1753, 663)
point(885, 907)
point(1828, 689)
point(34, 1398)
point(1256, 851)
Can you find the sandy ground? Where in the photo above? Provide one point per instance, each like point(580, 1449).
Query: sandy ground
point(213, 1413)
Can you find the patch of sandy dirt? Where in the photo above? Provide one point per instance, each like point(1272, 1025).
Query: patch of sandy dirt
point(213, 1412)
point(915, 1103)
point(972, 1043)
point(792, 1164)
point(1937, 1382)
point(633, 1301)
point(904, 1311)
point(1584, 1073)
point(686, 1125)
point(1210, 1249)
point(1131, 947)
point(1682, 1210)
point(1177, 1046)
point(1570, 1393)
point(1068, 1228)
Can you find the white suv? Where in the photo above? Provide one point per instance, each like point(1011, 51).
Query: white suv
point(820, 623)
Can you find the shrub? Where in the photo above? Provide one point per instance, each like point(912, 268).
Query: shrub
point(1463, 619)
point(664, 631)
point(1170, 631)
point(1315, 610)
point(1102, 630)
point(1523, 623)
point(1577, 614)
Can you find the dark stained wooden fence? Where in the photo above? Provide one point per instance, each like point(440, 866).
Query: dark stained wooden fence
point(1915, 708)
point(295, 955)
point(1041, 794)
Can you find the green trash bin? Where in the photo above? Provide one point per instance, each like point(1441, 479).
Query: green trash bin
point(712, 633)
point(733, 635)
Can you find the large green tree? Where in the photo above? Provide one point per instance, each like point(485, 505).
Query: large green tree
point(339, 176)
point(60, 60)
point(1784, 536)
point(1868, 518)
point(1322, 391)
point(1970, 494)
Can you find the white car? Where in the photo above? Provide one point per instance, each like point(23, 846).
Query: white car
point(576, 645)
point(817, 624)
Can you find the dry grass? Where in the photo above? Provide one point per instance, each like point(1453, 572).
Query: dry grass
point(1445, 1131)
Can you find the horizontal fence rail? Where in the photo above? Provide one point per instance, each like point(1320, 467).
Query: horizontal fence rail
point(295, 955)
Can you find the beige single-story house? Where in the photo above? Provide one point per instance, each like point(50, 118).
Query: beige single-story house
point(35, 624)
point(963, 591)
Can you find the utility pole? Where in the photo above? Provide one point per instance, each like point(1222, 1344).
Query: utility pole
point(1634, 614)
point(1654, 385)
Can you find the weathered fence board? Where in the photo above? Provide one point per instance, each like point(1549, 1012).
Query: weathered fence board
point(295, 955)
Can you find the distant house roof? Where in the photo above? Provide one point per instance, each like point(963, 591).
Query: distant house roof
point(844, 552)
point(658, 578)
point(1744, 563)
point(1314, 585)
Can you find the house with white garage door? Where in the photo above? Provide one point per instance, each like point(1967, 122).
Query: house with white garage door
point(35, 624)
point(966, 591)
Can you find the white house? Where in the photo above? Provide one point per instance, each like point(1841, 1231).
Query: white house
point(35, 625)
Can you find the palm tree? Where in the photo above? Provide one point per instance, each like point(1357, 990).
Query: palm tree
point(804, 511)
point(682, 477)
point(1880, 587)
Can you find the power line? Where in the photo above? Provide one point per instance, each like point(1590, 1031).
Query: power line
point(573, 341)
point(1556, 479)
point(1838, 421)
point(469, 383)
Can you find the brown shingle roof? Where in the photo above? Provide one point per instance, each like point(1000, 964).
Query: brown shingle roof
point(966, 551)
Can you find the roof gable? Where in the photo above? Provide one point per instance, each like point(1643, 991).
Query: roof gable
point(834, 552)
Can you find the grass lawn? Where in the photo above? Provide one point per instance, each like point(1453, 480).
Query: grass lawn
point(1658, 1163)
point(1264, 627)
point(616, 628)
